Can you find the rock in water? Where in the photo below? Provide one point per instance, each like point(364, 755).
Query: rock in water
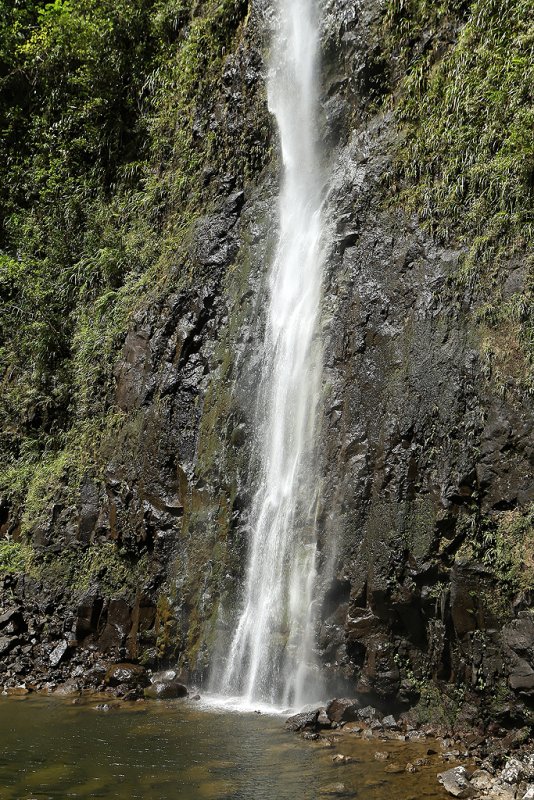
point(456, 782)
point(166, 690)
point(305, 720)
point(381, 756)
point(340, 760)
point(336, 790)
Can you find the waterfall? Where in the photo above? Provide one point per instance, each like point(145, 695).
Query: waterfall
point(271, 655)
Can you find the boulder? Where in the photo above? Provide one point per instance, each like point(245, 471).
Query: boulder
point(342, 710)
point(323, 721)
point(6, 643)
point(481, 780)
point(12, 621)
point(166, 690)
point(17, 691)
point(369, 714)
point(304, 720)
point(456, 782)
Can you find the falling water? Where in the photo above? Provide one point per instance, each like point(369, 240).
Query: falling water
point(271, 656)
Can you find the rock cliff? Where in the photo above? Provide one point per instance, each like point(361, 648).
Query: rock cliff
point(427, 542)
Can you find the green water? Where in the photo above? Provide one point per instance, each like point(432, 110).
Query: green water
point(170, 751)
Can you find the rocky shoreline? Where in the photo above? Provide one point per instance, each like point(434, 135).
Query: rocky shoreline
point(493, 764)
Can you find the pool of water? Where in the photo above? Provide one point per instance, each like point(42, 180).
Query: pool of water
point(53, 748)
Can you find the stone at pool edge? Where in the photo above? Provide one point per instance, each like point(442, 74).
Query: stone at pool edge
point(306, 720)
point(343, 709)
point(456, 782)
point(165, 690)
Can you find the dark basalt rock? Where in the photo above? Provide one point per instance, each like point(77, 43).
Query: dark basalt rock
point(128, 675)
point(343, 710)
point(307, 720)
point(166, 690)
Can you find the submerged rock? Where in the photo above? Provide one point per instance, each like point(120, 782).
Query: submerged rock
point(336, 790)
point(394, 768)
point(381, 756)
point(340, 760)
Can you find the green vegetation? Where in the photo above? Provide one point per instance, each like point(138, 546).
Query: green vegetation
point(466, 164)
point(15, 557)
point(110, 138)
point(506, 544)
point(503, 542)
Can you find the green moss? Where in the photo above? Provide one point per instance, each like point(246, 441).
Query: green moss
point(15, 557)
point(116, 573)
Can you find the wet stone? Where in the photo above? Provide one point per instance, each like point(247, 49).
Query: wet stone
point(168, 690)
point(340, 760)
point(299, 722)
point(456, 782)
point(336, 790)
point(381, 756)
point(342, 710)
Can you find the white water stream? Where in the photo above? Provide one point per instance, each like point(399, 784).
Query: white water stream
point(271, 655)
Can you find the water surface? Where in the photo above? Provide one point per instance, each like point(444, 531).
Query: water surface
point(177, 751)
